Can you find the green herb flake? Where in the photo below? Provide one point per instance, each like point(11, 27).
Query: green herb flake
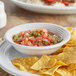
point(54, 42)
point(38, 34)
point(29, 35)
point(40, 42)
point(45, 42)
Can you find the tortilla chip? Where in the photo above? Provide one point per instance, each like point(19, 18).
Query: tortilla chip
point(44, 62)
point(67, 58)
point(69, 49)
point(25, 63)
point(72, 67)
point(73, 37)
point(56, 74)
point(61, 63)
point(73, 72)
point(44, 75)
point(71, 45)
point(50, 71)
point(69, 28)
point(41, 63)
point(63, 72)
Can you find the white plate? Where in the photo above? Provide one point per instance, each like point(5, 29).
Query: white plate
point(45, 9)
point(7, 53)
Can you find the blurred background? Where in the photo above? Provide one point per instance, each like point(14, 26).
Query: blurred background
point(16, 16)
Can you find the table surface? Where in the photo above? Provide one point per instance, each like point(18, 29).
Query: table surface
point(17, 16)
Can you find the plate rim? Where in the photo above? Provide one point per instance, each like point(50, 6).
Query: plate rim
point(44, 6)
point(13, 72)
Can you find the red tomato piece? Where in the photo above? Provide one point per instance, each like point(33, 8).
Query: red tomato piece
point(22, 43)
point(21, 33)
point(35, 44)
point(28, 43)
point(49, 39)
point(30, 40)
point(39, 39)
point(39, 44)
point(43, 30)
point(44, 35)
point(51, 44)
point(66, 3)
point(51, 1)
point(25, 39)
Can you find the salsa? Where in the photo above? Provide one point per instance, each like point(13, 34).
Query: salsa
point(39, 37)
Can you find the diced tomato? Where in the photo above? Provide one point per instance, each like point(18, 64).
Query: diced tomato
point(51, 1)
point(50, 39)
point(39, 44)
point(43, 30)
point(17, 42)
point(66, 3)
point(25, 39)
point(51, 44)
point(44, 35)
point(28, 43)
point(30, 40)
point(22, 43)
point(39, 39)
point(35, 44)
point(21, 33)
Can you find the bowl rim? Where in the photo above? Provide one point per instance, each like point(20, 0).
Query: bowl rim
point(36, 47)
point(44, 6)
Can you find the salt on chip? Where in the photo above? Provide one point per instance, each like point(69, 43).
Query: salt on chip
point(25, 63)
point(50, 71)
point(63, 72)
point(72, 67)
point(44, 62)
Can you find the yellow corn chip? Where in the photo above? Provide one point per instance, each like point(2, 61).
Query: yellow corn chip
point(56, 74)
point(50, 71)
point(73, 37)
point(69, 28)
point(69, 49)
point(63, 72)
point(72, 67)
point(25, 63)
point(73, 72)
point(67, 58)
point(71, 45)
point(61, 63)
point(41, 63)
point(44, 62)
point(44, 75)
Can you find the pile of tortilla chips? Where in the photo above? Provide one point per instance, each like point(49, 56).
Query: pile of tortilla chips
point(61, 63)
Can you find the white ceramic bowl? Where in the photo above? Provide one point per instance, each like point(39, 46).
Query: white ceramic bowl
point(59, 30)
point(46, 9)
